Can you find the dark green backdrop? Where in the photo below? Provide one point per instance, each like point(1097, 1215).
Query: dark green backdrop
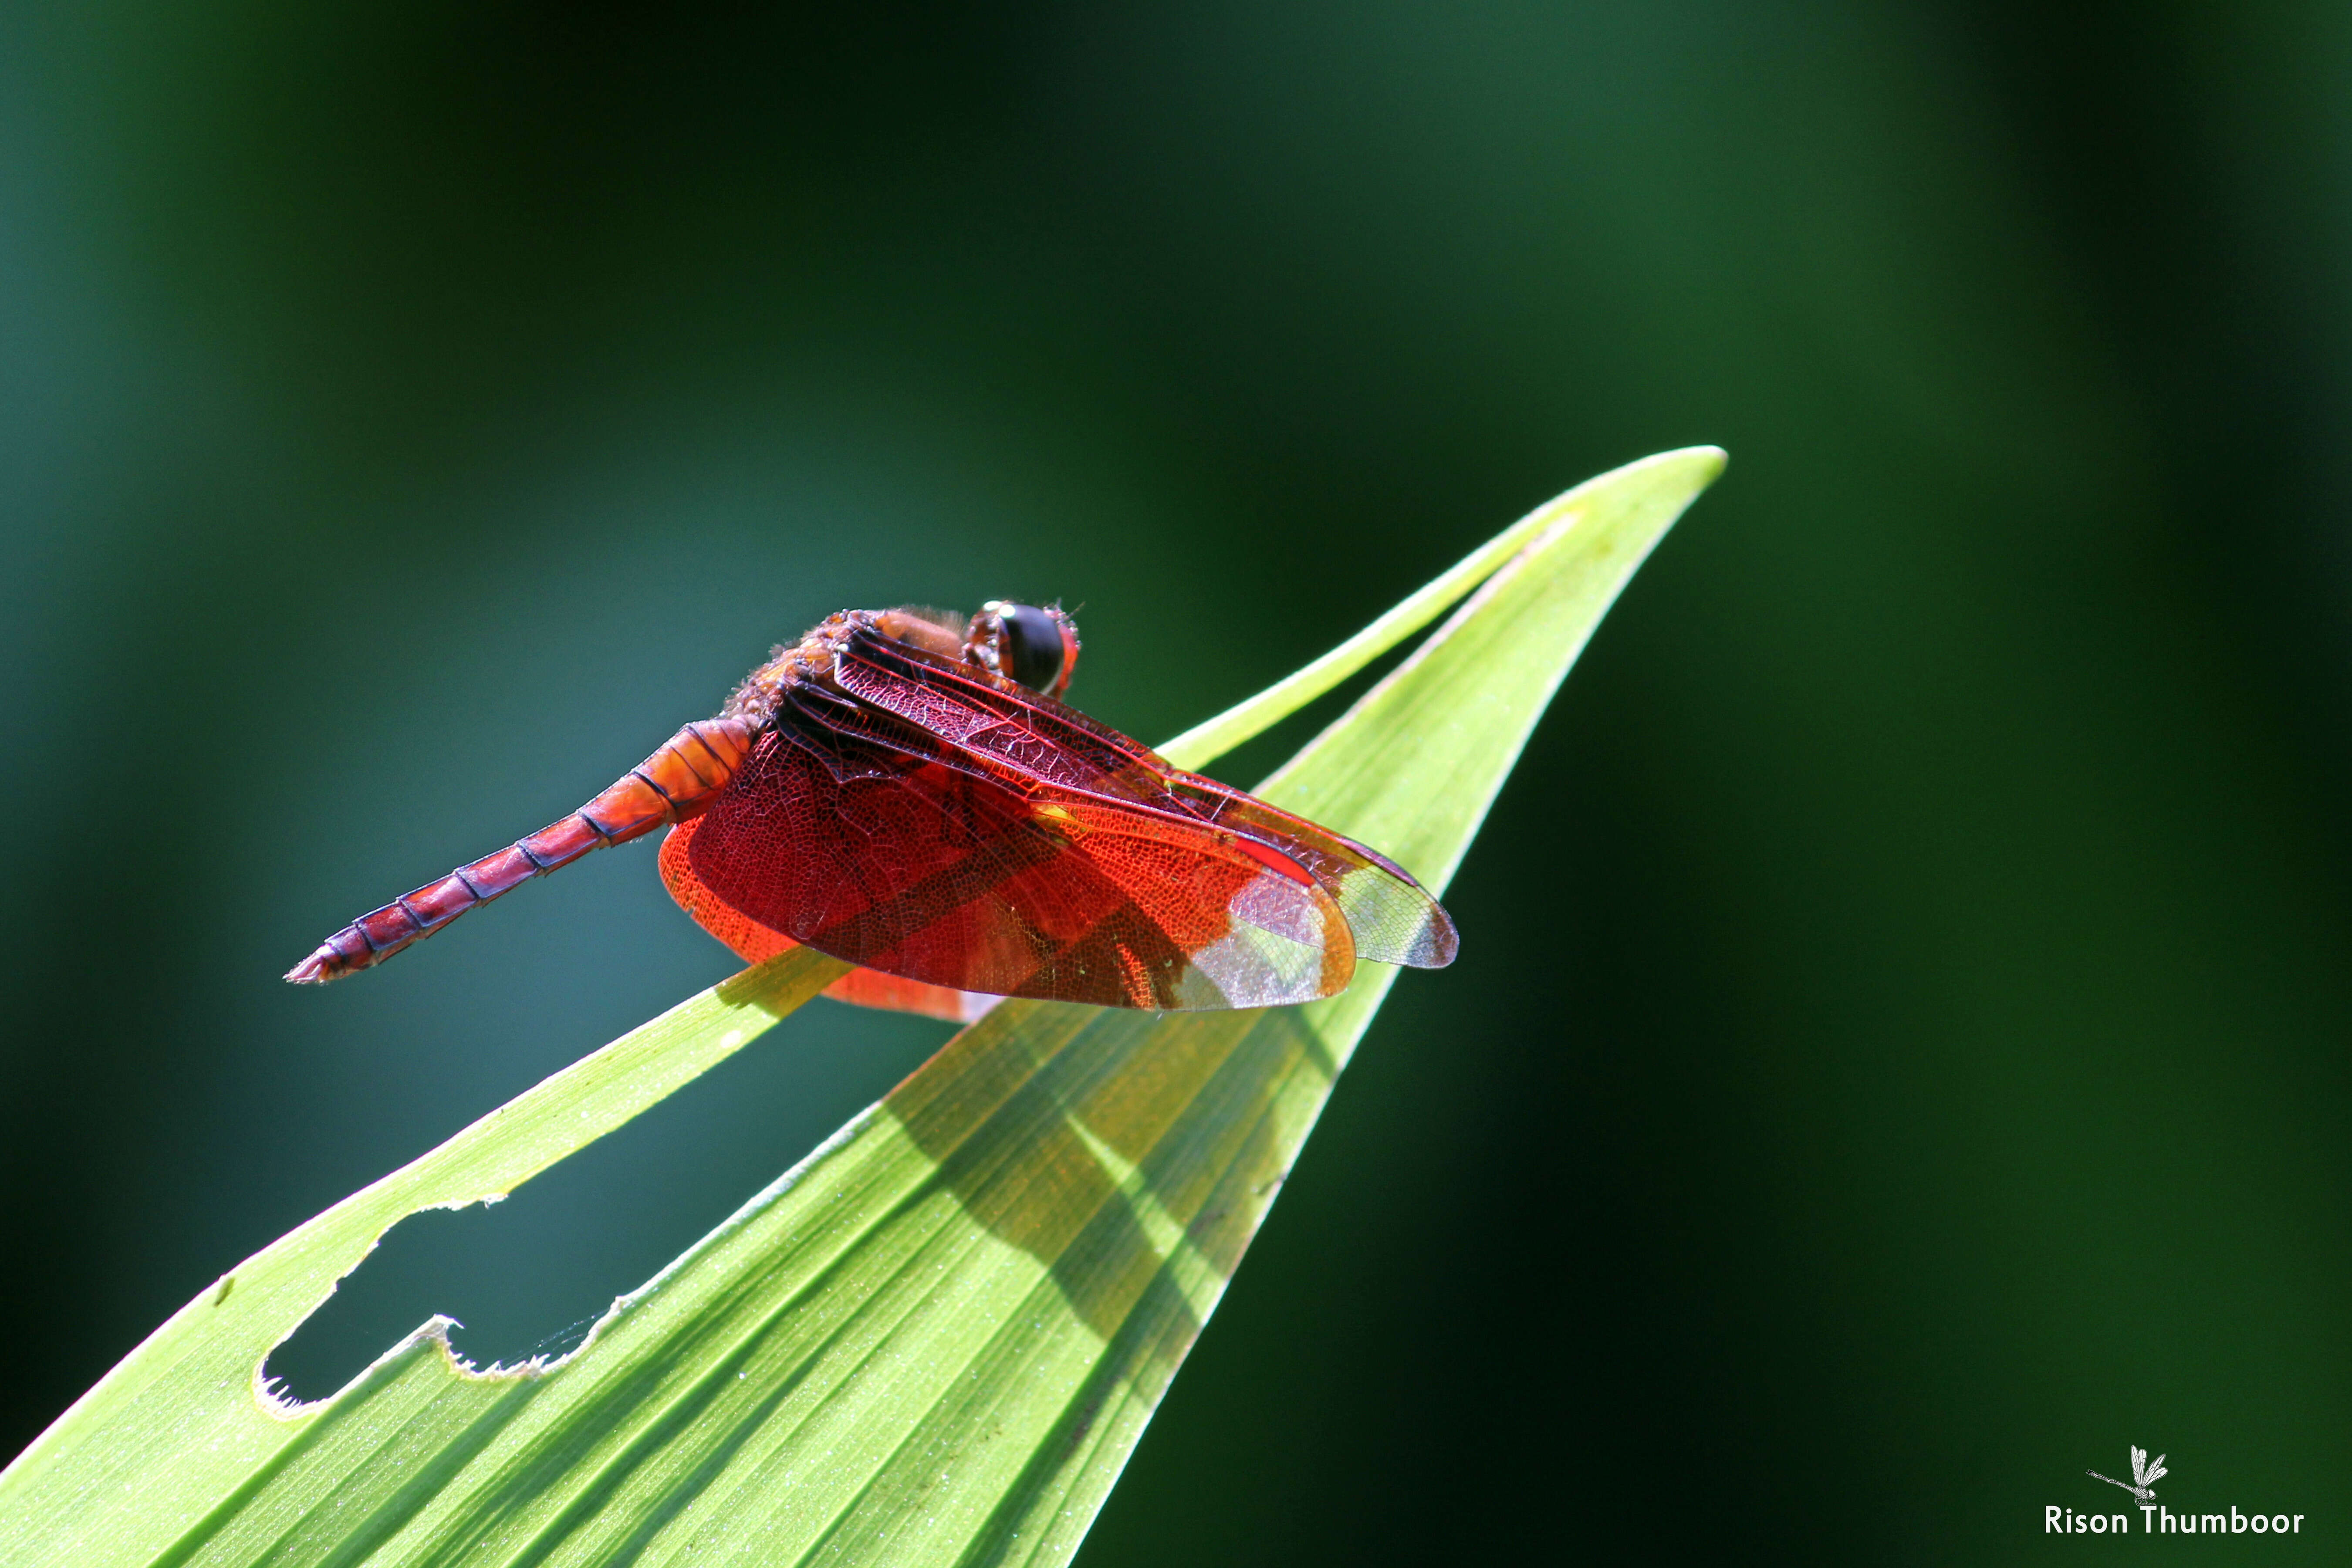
point(1898, 1057)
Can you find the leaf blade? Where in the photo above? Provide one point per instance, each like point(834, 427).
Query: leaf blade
point(938, 1337)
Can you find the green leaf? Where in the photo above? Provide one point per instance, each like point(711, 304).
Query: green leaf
point(938, 1338)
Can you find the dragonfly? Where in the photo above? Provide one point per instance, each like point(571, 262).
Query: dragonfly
point(907, 790)
point(2144, 1474)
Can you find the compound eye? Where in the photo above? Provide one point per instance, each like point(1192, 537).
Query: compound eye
point(1031, 652)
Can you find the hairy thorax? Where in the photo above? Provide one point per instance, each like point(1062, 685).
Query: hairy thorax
point(938, 632)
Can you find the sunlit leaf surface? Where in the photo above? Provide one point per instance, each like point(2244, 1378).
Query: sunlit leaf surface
point(937, 1339)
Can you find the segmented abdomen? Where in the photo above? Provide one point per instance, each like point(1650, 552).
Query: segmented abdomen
point(677, 783)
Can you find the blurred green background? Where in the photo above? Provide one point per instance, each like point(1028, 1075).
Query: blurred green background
point(1898, 1056)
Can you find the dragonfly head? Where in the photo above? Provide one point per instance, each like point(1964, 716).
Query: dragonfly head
point(1038, 647)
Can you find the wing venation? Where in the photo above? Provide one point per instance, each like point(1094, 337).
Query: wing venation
point(846, 834)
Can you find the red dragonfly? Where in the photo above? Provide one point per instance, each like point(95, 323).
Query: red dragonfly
point(906, 791)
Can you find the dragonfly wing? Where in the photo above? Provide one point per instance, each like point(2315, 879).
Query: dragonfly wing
point(751, 941)
point(895, 994)
point(754, 943)
point(1008, 728)
point(1394, 919)
point(855, 832)
point(1016, 730)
